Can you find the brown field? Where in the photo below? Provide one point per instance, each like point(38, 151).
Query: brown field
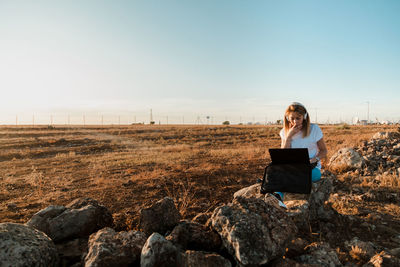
point(128, 167)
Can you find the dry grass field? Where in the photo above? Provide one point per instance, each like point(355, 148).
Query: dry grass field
point(128, 167)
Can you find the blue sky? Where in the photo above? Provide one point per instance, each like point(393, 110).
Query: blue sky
point(235, 60)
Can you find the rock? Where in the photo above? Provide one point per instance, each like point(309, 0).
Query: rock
point(160, 218)
point(21, 245)
point(204, 259)
point(302, 207)
point(299, 211)
point(346, 158)
point(296, 248)
point(290, 263)
point(157, 251)
point(386, 135)
point(360, 250)
point(320, 193)
point(81, 218)
point(71, 252)
point(194, 236)
point(202, 218)
point(253, 231)
point(383, 259)
point(395, 252)
point(395, 238)
point(41, 220)
point(110, 248)
point(321, 254)
point(250, 191)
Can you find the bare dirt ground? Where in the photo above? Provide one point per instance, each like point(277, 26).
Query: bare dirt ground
point(128, 167)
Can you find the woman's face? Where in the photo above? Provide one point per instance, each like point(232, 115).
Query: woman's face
point(295, 118)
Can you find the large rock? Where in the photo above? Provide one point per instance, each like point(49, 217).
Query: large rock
point(320, 193)
point(157, 251)
point(189, 235)
point(160, 218)
point(204, 259)
point(346, 158)
point(21, 245)
point(80, 218)
point(253, 231)
point(109, 248)
point(250, 191)
point(321, 254)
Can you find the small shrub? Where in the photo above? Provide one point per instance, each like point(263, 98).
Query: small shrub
point(226, 123)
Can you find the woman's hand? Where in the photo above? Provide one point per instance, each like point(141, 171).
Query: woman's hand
point(294, 129)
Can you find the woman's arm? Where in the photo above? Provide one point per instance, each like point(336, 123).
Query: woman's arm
point(322, 150)
point(286, 142)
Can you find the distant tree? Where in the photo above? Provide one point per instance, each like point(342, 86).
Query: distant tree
point(278, 121)
point(226, 123)
point(152, 122)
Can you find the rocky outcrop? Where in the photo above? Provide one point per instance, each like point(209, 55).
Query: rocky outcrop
point(21, 245)
point(160, 217)
point(253, 231)
point(109, 248)
point(346, 158)
point(381, 154)
point(157, 251)
point(80, 218)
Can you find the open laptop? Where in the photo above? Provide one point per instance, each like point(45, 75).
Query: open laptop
point(289, 155)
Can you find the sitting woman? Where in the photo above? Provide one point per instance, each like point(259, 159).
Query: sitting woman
point(298, 132)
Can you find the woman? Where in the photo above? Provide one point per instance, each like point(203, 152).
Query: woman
point(298, 132)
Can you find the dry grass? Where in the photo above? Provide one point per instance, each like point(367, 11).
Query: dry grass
point(129, 167)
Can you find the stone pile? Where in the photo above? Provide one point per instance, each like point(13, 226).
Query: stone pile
point(380, 155)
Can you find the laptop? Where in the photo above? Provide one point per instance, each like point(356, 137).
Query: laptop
point(289, 155)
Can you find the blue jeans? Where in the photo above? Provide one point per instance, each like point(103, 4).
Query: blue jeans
point(315, 177)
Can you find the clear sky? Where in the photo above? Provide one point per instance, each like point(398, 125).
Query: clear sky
point(225, 59)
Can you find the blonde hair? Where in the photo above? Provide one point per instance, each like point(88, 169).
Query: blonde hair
point(299, 108)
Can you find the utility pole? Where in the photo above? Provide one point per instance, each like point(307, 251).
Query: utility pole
point(102, 120)
point(84, 120)
point(119, 120)
point(51, 119)
point(151, 115)
point(33, 120)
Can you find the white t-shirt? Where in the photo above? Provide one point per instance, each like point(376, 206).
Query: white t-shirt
point(309, 142)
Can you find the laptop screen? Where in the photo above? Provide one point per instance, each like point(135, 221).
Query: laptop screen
point(289, 155)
